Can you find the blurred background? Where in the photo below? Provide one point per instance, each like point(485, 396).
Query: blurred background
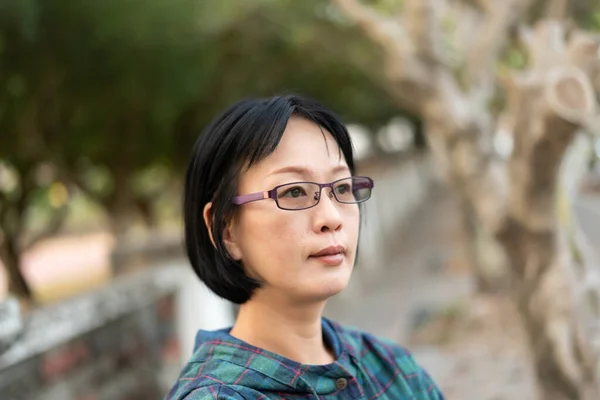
point(476, 119)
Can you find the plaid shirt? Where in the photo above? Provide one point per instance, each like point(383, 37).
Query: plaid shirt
point(366, 367)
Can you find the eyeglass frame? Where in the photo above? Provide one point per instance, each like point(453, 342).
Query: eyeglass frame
point(272, 194)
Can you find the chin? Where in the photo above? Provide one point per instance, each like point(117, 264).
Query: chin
point(318, 284)
point(330, 286)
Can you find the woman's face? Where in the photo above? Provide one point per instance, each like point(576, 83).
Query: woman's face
point(278, 246)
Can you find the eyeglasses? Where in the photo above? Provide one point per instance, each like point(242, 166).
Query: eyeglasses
point(303, 195)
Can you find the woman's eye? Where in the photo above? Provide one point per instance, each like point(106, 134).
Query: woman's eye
point(294, 192)
point(342, 189)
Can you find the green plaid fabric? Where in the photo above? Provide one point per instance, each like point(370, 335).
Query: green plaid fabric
point(366, 367)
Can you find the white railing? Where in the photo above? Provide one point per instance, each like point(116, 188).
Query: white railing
point(399, 190)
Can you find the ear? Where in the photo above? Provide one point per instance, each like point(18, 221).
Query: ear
point(228, 237)
point(208, 221)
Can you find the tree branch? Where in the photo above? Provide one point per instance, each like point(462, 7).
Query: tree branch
point(582, 52)
point(12, 229)
point(557, 9)
point(423, 27)
point(3, 209)
point(526, 36)
point(467, 20)
point(570, 94)
point(499, 20)
point(546, 108)
point(547, 46)
point(411, 80)
point(481, 5)
point(384, 31)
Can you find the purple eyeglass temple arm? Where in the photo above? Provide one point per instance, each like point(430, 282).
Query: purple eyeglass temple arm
point(247, 198)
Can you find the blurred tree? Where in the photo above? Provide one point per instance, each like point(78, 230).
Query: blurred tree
point(445, 60)
point(87, 88)
point(109, 97)
point(287, 45)
point(27, 102)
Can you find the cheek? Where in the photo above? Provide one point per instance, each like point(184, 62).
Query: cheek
point(352, 223)
point(271, 238)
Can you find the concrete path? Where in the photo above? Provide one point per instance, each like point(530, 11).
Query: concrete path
point(385, 299)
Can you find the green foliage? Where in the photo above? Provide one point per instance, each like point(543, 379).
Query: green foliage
point(113, 94)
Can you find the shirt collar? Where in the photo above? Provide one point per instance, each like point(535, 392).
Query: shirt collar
point(221, 345)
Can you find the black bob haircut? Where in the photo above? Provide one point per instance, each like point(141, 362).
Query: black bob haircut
point(244, 134)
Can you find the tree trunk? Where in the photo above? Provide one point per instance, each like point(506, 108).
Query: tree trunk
point(484, 257)
point(17, 284)
point(542, 280)
point(544, 295)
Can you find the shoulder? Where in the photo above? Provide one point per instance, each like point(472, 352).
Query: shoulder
point(377, 354)
point(224, 367)
point(361, 343)
point(214, 379)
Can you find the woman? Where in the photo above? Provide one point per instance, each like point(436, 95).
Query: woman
point(272, 223)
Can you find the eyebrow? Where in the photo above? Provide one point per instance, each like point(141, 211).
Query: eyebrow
point(305, 171)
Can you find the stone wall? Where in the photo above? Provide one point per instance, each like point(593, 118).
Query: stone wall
point(115, 343)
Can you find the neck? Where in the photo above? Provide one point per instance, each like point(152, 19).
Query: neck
point(291, 330)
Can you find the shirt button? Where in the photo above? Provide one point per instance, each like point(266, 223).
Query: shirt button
point(341, 383)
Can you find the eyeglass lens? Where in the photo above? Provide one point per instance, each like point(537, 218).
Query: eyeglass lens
point(301, 195)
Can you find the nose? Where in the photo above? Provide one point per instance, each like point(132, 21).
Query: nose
point(327, 213)
point(318, 194)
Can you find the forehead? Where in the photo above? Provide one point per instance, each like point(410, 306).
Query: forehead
point(306, 144)
point(305, 152)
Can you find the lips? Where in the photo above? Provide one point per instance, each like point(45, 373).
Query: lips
point(330, 251)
